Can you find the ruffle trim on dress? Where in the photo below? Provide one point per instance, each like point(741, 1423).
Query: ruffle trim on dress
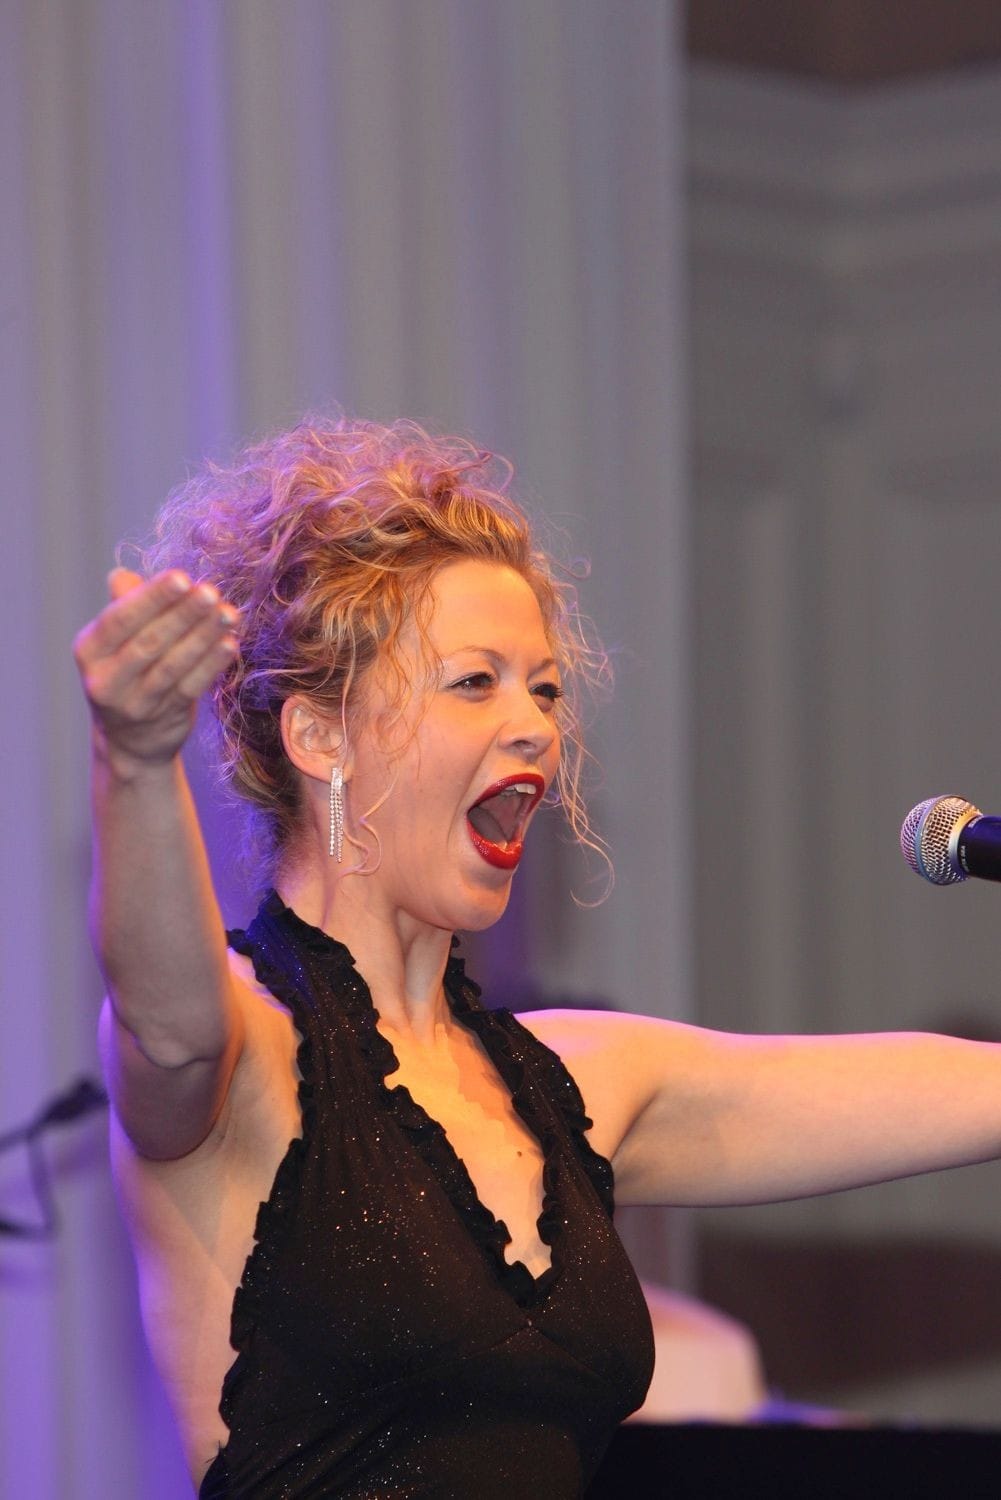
point(426, 1133)
point(504, 1039)
point(562, 1092)
point(274, 1213)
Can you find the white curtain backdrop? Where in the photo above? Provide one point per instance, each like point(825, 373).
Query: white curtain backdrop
point(846, 254)
point(215, 216)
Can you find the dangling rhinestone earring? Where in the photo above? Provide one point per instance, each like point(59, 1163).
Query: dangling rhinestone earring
point(336, 813)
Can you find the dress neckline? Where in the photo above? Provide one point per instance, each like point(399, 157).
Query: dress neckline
point(495, 1030)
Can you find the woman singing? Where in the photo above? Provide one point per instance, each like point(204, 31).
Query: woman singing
point(372, 1219)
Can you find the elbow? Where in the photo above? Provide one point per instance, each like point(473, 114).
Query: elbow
point(169, 1046)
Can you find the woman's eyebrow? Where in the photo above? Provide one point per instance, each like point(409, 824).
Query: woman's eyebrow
point(499, 659)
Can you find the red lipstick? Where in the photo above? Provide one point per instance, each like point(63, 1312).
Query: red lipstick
point(499, 814)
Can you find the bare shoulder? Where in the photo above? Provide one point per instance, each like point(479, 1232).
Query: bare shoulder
point(657, 1091)
point(619, 1061)
point(590, 1030)
point(602, 1039)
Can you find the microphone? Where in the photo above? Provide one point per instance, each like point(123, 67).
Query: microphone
point(947, 839)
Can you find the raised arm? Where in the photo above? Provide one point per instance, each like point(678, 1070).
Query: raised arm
point(170, 1028)
point(695, 1116)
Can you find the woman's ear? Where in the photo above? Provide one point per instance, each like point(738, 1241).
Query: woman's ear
point(312, 742)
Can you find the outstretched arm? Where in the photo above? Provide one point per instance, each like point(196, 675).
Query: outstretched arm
point(695, 1116)
point(170, 1030)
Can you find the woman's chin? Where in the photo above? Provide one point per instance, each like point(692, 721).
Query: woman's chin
point(482, 907)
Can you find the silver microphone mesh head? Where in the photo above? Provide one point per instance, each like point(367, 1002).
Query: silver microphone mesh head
point(927, 836)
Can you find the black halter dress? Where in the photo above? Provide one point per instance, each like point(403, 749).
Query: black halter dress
point(386, 1349)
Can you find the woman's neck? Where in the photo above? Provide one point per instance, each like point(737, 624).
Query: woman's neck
point(401, 959)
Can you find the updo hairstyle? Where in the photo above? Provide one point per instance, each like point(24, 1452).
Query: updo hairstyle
point(327, 538)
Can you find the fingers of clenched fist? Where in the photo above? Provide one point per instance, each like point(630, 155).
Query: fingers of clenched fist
point(150, 654)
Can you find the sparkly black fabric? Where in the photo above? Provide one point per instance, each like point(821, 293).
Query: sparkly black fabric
point(385, 1347)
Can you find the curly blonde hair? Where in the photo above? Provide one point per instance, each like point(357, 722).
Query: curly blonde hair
point(327, 538)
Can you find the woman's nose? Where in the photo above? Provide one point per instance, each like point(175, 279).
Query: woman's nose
point(531, 727)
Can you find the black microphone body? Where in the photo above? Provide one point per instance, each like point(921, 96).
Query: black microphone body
point(978, 848)
point(947, 839)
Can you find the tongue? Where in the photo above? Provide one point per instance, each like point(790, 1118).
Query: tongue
point(495, 819)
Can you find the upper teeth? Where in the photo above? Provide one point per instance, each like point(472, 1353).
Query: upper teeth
point(524, 787)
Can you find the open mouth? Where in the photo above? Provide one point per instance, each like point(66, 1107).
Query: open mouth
point(497, 820)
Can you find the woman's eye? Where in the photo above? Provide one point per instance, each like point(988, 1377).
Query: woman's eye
point(483, 682)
